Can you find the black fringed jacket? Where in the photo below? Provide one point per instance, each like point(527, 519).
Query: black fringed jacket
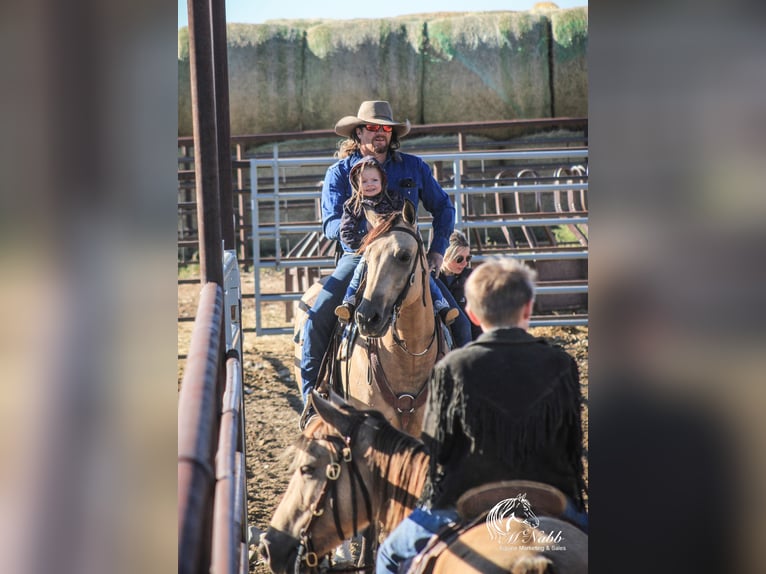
point(506, 406)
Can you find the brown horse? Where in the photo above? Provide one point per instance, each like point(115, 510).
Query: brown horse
point(353, 469)
point(388, 366)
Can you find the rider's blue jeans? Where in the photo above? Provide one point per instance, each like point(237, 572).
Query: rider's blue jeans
point(411, 536)
point(461, 328)
point(321, 321)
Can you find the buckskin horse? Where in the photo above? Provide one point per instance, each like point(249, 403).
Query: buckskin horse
point(387, 367)
point(353, 469)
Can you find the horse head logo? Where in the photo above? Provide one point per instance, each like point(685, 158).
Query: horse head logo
point(502, 516)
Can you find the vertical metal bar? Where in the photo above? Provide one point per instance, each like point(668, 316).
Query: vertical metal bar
point(458, 193)
point(221, 70)
point(277, 240)
point(256, 245)
point(205, 146)
point(465, 199)
point(241, 209)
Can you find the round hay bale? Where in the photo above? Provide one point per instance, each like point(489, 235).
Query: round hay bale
point(569, 30)
point(350, 61)
point(486, 66)
point(265, 77)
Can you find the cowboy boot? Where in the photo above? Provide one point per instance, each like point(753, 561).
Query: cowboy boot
point(449, 315)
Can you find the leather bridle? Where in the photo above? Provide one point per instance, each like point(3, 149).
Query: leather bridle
point(340, 455)
point(403, 295)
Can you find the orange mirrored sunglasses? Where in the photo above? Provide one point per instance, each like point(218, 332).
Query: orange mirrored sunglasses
point(376, 127)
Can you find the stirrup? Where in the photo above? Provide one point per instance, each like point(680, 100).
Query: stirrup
point(343, 312)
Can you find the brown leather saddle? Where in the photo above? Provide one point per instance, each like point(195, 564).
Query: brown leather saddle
point(474, 506)
point(546, 500)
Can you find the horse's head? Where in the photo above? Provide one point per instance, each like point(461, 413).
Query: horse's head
point(394, 255)
point(316, 512)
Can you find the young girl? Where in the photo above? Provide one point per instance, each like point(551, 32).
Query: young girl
point(370, 193)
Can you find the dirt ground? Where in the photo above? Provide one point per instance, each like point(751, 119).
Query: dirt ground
point(272, 399)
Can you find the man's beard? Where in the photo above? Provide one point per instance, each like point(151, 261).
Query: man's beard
point(379, 148)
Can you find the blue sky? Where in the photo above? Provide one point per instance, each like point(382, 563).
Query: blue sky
point(255, 11)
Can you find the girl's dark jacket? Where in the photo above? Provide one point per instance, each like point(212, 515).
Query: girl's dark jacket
point(353, 223)
point(456, 286)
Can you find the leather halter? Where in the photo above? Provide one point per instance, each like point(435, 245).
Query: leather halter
point(340, 452)
point(415, 261)
point(403, 295)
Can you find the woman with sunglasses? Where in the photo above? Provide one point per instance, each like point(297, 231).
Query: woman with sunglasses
point(455, 271)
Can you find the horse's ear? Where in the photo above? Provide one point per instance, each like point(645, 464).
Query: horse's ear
point(408, 212)
point(331, 413)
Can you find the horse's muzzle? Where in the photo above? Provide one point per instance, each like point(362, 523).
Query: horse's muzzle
point(372, 321)
point(279, 551)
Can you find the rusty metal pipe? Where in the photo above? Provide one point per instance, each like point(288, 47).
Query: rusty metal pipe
point(201, 70)
point(221, 72)
point(196, 433)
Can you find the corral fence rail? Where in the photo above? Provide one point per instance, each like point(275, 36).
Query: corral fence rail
point(563, 210)
point(499, 135)
point(212, 493)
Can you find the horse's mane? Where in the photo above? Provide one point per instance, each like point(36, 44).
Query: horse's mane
point(386, 223)
point(400, 465)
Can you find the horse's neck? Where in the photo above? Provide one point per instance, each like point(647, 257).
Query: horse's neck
point(403, 477)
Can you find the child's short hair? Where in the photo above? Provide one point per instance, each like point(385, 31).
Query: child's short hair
point(497, 290)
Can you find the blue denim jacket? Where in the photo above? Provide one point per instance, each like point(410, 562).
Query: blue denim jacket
point(406, 173)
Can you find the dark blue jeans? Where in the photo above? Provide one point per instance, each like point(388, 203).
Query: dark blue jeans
point(321, 321)
point(578, 517)
point(461, 328)
point(411, 536)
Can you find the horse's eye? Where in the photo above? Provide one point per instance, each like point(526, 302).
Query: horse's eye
point(307, 469)
point(404, 257)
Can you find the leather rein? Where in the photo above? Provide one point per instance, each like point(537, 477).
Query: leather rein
point(402, 296)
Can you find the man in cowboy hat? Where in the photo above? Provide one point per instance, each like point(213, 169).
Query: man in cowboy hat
point(373, 132)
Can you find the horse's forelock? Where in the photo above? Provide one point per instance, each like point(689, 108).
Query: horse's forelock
point(387, 222)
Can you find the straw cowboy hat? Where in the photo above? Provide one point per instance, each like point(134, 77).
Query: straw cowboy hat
point(373, 112)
